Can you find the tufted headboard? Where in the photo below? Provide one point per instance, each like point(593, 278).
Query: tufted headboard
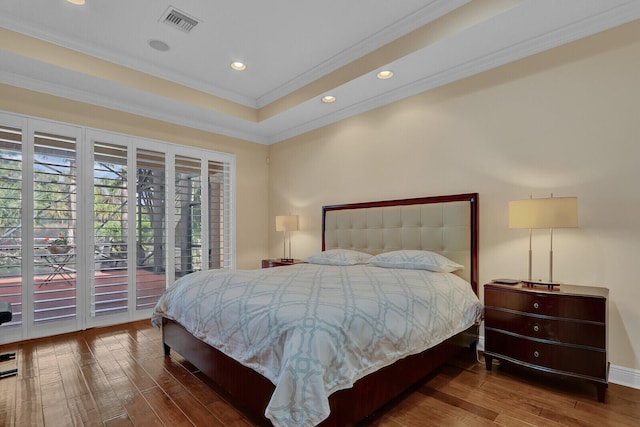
point(444, 224)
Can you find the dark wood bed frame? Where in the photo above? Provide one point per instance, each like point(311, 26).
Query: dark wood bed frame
point(253, 391)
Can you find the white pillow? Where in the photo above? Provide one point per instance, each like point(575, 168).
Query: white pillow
point(339, 257)
point(416, 260)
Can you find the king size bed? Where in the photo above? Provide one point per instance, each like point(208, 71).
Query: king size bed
point(391, 297)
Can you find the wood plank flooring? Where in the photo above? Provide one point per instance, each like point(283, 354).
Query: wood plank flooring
point(118, 376)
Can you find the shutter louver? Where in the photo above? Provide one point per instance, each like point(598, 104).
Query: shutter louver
point(54, 227)
point(11, 220)
point(110, 292)
point(188, 218)
point(150, 227)
point(219, 215)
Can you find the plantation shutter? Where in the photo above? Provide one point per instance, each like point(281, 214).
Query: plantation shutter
point(54, 227)
point(89, 233)
point(188, 216)
point(220, 211)
point(150, 227)
point(10, 220)
point(110, 293)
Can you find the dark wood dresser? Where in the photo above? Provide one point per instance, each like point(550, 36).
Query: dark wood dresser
point(561, 330)
point(277, 262)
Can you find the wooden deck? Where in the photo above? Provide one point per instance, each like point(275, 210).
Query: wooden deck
point(55, 295)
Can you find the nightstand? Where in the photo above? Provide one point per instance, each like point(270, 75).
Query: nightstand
point(277, 262)
point(560, 331)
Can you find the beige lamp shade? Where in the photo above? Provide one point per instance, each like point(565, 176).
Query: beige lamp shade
point(551, 212)
point(287, 223)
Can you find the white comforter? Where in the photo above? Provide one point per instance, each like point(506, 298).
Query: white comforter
point(313, 330)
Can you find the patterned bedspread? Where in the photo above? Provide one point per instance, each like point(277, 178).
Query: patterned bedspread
point(313, 330)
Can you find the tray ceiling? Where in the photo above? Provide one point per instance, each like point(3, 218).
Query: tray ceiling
point(295, 53)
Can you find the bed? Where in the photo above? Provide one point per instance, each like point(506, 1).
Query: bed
point(446, 226)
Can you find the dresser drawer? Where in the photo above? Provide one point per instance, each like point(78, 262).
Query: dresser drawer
point(560, 330)
point(547, 304)
point(554, 357)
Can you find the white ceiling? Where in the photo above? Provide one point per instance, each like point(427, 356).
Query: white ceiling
point(287, 45)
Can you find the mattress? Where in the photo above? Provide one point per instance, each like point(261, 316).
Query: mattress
point(316, 329)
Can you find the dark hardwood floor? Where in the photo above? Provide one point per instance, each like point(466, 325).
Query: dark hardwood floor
point(118, 376)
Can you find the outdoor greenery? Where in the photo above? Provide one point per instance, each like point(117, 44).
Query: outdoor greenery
point(10, 206)
point(55, 206)
point(54, 210)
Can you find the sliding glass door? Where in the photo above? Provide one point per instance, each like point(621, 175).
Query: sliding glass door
point(151, 222)
point(110, 285)
point(89, 235)
point(39, 222)
point(11, 252)
point(55, 226)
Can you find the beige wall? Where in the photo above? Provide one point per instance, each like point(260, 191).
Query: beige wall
point(251, 168)
point(566, 121)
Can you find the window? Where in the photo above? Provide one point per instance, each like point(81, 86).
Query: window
point(54, 227)
point(104, 223)
point(11, 219)
point(219, 196)
point(151, 218)
point(110, 292)
point(188, 218)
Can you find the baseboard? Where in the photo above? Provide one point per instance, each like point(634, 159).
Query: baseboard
point(617, 374)
point(480, 346)
point(624, 376)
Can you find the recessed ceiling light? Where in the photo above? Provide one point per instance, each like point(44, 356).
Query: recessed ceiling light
point(238, 66)
point(328, 99)
point(159, 45)
point(76, 2)
point(384, 75)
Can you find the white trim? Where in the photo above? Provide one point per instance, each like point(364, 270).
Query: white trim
point(170, 214)
point(145, 104)
point(36, 31)
point(136, 101)
point(427, 14)
point(232, 213)
point(27, 232)
point(624, 376)
point(84, 225)
point(204, 220)
point(480, 345)
point(525, 48)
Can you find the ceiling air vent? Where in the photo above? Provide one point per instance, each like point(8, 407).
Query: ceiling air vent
point(180, 20)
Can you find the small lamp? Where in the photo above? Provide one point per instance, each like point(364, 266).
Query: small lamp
point(551, 212)
point(286, 224)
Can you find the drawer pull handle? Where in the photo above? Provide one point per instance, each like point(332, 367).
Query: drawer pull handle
point(536, 305)
point(536, 354)
point(536, 328)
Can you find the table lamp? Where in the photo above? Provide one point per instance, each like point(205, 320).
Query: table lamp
point(286, 224)
point(551, 212)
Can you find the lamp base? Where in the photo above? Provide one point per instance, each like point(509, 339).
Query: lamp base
point(548, 284)
point(286, 259)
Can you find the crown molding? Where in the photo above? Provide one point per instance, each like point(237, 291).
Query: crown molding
point(12, 23)
point(269, 132)
point(427, 14)
point(156, 108)
point(614, 17)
